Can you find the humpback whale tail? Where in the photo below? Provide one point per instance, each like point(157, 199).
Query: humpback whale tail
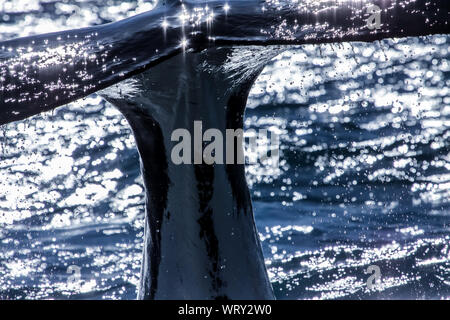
point(187, 62)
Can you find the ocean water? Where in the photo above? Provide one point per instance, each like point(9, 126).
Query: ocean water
point(363, 181)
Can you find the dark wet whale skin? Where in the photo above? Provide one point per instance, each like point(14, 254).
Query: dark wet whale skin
point(43, 72)
point(200, 240)
point(30, 85)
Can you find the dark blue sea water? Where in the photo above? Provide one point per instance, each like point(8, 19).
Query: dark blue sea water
point(364, 176)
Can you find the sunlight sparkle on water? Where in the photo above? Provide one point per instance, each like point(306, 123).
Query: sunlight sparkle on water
point(363, 178)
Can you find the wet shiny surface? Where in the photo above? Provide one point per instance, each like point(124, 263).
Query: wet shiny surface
point(43, 72)
point(365, 170)
point(364, 176)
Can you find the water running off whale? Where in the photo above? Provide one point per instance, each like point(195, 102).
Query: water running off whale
point(200, 238)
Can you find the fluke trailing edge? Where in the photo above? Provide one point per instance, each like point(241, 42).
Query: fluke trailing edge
point(168, 68)
point(42, 72)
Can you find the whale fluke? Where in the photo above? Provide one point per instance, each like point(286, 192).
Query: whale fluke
point(201, 241)
point(39, 73)
point(177, 64)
